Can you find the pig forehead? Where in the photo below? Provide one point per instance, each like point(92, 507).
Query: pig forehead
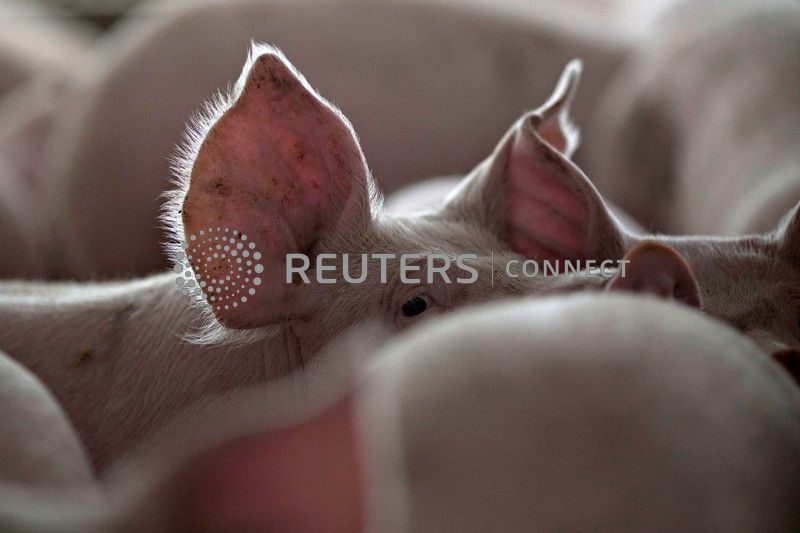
point(433, 234)
point(746, 268)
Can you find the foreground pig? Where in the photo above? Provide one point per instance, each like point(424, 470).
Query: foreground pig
point(497, 419)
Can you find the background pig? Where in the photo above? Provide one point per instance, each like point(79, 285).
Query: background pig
point(687, 428)
point(34, 40)
point(566, 218)
point(699, 134)
point(416, 78)
point(37, 50)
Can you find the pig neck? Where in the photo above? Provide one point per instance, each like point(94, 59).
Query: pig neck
point(114, 356)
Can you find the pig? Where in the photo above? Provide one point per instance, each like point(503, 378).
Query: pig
point(494, 418)
point(749, 281)
point(698, 133)
point(124, 365)
point(431, 76)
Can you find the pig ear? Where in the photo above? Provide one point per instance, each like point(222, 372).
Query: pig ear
point(280, 172)
point(555, 125)
point(655, 268)
point(533, 197)
point(788, 235)
point(299, 478)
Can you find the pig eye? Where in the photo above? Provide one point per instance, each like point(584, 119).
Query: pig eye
point(415, 306)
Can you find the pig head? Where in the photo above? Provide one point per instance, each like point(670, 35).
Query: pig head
point(751, 282)
point(275, 169)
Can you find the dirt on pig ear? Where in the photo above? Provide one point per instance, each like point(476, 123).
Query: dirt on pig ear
point(533, 197)
point(279, 171)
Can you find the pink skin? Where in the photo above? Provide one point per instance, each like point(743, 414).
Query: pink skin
point(121, 369)
point(765, 307)
point(39, 446)
point(312, 143)
point(307, 477)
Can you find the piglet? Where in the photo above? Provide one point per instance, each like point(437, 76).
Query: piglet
point(273, 169)
point(751, 282)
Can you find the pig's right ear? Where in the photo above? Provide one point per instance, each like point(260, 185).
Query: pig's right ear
point(279, 172)
point(533, 197)
point(652, 267)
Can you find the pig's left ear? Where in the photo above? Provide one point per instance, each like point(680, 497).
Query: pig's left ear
point(787, 236)
point(280, 172)
point(531, 195)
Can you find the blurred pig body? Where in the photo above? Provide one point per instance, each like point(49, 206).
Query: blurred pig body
point(39, 447)
point(685, 428)
point(44, 468)
point(700, 131)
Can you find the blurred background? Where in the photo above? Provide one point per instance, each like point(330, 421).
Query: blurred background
point(95, 95)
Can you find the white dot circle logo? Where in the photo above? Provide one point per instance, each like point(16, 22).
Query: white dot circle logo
point(227, 268)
